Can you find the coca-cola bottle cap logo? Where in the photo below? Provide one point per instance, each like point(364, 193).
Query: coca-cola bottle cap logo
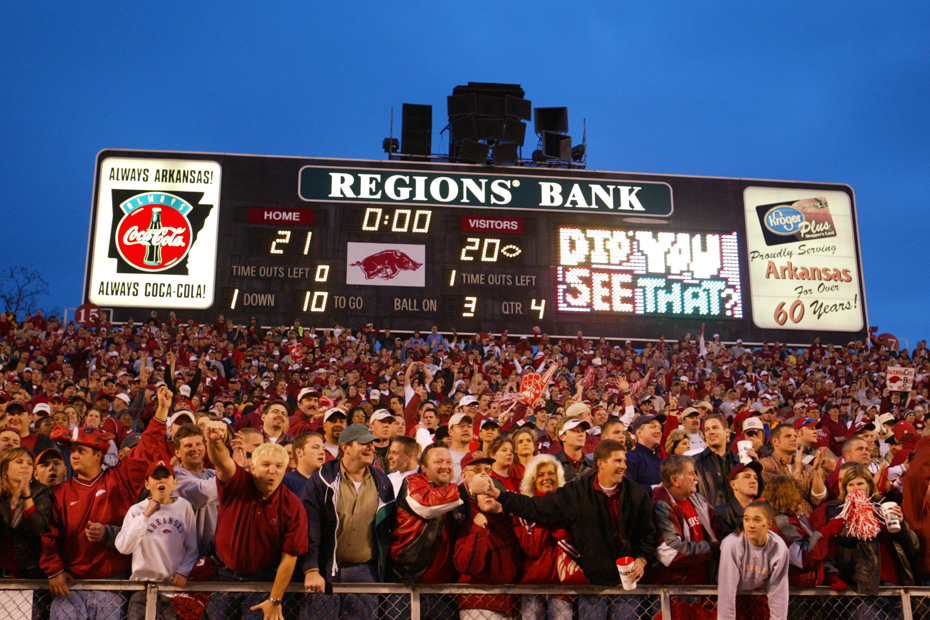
point(155, 233)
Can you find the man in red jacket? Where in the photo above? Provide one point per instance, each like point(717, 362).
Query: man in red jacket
point(82, 507)
point(428, 515)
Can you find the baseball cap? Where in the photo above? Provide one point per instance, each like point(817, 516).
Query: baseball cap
point(308, 391)
point(902, 430)
point(159, 465)
point(468, 400)
point(753, 423)
point(20, 405)
point(375, 394)
point(576, 423)
point(177, 417)
point(645, 419)
point(185, 391)
point(358, 433)
point(42, 408)
point(489, 422)
point(690, 411)
point(529, 421)
point(458, 418)
point(4, 396)
point(124, 398)
point(476, 457)
point(576, 409)
point(797, 424)
point(382, 414)
point(48, 454)
point(130, 441)
point(334, 411)
point(858, 427)
point(753, 465)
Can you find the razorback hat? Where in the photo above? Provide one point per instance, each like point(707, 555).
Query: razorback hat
point(83, 436)
point(468, 400)
point(576, 423)
point(159, 465)
point(476, 457)
point(42, 408)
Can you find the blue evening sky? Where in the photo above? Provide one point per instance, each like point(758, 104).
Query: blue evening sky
point(815, 91)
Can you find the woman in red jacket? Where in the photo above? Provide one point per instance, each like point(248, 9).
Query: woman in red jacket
point(540, 543)
point(487, 552)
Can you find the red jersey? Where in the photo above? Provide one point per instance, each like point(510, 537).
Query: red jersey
point(105, 499)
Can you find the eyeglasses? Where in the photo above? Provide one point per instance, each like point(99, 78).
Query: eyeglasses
point(479, 469)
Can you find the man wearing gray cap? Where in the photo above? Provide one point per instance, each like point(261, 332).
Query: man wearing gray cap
point(350, 513)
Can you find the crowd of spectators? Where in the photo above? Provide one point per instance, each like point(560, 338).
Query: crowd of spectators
point(171, 451)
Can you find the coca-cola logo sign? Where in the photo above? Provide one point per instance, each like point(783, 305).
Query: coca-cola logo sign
point(155, 232)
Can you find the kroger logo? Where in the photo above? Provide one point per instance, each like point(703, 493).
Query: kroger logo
point(784, 220)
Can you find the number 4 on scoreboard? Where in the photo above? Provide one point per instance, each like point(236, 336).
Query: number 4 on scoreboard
point(539, 305)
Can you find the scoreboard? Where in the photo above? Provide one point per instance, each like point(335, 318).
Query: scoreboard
point(410, 244)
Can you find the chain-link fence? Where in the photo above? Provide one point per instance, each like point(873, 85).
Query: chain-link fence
point(127, 600)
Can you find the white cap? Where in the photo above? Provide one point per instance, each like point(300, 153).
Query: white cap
point(331, 412)
point(375, 394)
point(306, 392)
point(183, 413)
point(124, 398)
point(468, 400)
point(382, 414)
point(753, 423)
point(577, 409)
point(185, 391)
point(42, 407)
point(575, 424)
point(458, 418)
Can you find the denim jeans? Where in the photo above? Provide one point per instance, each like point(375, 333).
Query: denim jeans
point(344, 606)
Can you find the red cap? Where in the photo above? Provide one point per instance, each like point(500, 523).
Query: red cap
point(805, 422)
point(476, 457)
point(84, 436)
point(157, 465)
point(902, 430)
point(859, 427)
point(4, 396)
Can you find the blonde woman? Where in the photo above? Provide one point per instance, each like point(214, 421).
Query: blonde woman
point(25, 505)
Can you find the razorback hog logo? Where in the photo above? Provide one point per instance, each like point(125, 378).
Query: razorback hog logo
point(386, 265)
point(154, 234)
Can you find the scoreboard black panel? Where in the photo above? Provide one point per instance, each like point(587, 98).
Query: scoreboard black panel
point(477, 248)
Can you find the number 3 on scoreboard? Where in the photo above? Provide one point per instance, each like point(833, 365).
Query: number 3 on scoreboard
point(470, 303)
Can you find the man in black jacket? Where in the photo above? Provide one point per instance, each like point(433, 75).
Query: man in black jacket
point(714, 463)
point(609, 517)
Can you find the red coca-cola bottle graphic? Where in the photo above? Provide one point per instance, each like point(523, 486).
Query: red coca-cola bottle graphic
point(153, 240)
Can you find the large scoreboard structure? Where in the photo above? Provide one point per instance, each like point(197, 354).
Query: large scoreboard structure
point(407, 244)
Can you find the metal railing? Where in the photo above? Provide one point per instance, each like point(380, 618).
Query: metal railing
point(136, 600)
